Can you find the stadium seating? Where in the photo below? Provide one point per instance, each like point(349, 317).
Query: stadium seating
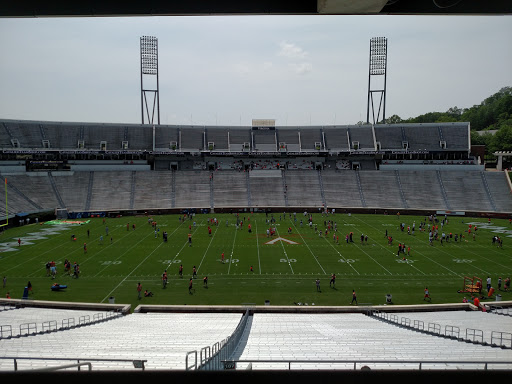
point(161, 339)
point(470, 320)
point(98, 176)
point(192, 188)
point(272, 340)
point(351, 337)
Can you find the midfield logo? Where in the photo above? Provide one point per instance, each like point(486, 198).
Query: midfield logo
point(274, 241)
point(28, 239)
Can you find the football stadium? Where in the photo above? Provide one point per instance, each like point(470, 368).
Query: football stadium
point(135, 248)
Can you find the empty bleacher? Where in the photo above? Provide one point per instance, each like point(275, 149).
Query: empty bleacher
point(341, 189)
point(303, 188)
point(326, 338)
point(422, 138)
point(460, 324)
point(219, 137)
point(499, 190)
point(389, 136)
point(336, 138)
point(309, 137)
point(192, 139)
point(266, 188)
point(363, 136)
point(237, 139)
point(422, 190)
point(230, 189)
point(117, 189)
point(290, 139)
point(380, 189)
point(161, 339)
point(192, 189)
point(111, 189)
point(73, 188)
point(165, 135)
point(153, 190)
point(264, 141)
point(465, 191)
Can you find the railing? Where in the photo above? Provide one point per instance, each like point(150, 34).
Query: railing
point(210, 358)
point(27, 329)
point(366, 364)
point(497, 339)
point(139, 364)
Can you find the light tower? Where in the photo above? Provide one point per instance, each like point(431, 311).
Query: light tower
point(377, 72)
point(149, 74)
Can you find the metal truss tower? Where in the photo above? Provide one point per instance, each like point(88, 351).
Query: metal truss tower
point(377, 73)
point(149, 74)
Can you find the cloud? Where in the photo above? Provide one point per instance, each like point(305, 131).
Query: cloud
point(301, 68)
point(291, 51)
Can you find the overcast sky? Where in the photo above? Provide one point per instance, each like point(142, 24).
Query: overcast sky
point(214, 70)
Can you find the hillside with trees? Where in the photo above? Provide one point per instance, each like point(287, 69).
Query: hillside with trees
point(492, 114)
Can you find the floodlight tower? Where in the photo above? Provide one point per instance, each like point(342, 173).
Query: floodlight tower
point(377, 67)
point(148, 72)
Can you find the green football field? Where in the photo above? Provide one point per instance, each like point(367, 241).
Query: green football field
point(282, 267)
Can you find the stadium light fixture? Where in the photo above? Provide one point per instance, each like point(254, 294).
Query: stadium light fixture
point(149, 67)
point(377, 67)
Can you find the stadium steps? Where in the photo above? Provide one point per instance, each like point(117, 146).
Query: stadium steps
point(173, 188)
point(500, 191)
point(443, 190)
point(212, 200)
point(55, 189)
point(132, 190)
point(285, 188)
point(89, 191)
point(465, 190)
point(321, 184)
point(22, 194)
point(303, 188)
point(248, 183)
point(402, 196)
point(488, 190)
point(361, 193)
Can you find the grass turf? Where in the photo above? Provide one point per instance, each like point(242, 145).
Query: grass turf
point(282, 273)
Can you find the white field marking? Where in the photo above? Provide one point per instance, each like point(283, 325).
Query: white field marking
point(375, 261)
point(128, 250)
point(184, 245)
point(284, 250)
point(494, 261)
point(94, 254)
point(207, 248)
point(133, 270)
point(142, 262)
point(25, 261)
point(310, 251)
point(390, 251)
point(232, 249)
point(258, 245)
point(426, 257)
point(339, 253)
point(281, 239)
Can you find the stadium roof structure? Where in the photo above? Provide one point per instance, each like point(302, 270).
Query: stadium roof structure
point(37, 8)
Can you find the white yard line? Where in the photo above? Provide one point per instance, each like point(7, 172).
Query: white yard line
point(310, 251)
